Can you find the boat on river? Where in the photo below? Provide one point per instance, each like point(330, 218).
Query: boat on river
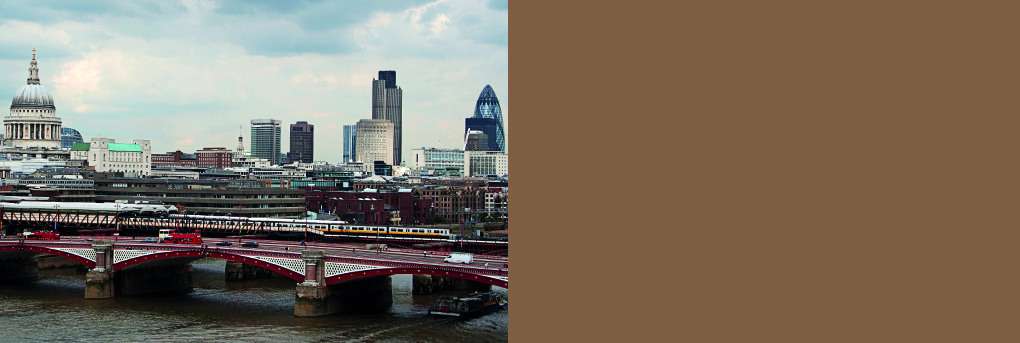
point(473, 305)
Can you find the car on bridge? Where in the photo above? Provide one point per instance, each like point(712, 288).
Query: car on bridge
point(250, 244)
point(224, 244)
point(150, 240)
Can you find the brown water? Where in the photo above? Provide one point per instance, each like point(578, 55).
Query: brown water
point(53, 309)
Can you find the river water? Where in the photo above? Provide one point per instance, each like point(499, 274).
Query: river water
point(53, 309)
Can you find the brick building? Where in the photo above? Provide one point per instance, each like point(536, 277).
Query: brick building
point(219, 158)
point(404, 206)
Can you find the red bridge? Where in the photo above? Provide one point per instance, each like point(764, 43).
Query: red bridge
point(317, 266)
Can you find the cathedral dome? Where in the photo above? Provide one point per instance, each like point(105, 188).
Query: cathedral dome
point(32, 95)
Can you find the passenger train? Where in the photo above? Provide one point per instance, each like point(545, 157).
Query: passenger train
point(329, 226)
point(169, 213)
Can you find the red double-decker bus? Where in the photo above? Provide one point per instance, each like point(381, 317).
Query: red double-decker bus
point(182, 238)
point(40, 235)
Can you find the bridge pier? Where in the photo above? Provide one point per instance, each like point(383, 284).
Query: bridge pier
point(314, 298)
point(19, 269)
point(99, 282)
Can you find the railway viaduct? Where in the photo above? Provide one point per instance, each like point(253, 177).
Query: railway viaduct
point(328, 282)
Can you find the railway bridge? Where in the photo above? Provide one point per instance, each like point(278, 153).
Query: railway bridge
point(328, 274)
point(103, 224)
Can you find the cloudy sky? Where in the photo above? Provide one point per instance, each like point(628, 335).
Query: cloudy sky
point(190, 74)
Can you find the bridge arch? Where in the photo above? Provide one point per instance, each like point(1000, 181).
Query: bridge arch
point(192, 255)
point(416, 270)
point(15, 251)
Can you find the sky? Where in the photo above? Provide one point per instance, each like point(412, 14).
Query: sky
point(194, 73)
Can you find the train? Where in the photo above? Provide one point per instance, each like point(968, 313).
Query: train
point(155, 212)
point(327, 226)
point(127, 209)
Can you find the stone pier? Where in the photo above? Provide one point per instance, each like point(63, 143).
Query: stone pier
point(313, 298)
point(99, 281)
point(102, 282)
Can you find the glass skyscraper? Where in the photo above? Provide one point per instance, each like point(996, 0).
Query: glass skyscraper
point(487, 107)
point(350, 142)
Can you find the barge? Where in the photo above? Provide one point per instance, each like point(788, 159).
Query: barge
point(473, 305)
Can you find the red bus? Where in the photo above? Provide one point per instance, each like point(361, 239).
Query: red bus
point(41, 235)
point(183, 238)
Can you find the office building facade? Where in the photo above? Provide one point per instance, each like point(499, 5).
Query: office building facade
point(375, 140)
point(302, 142)
point(387, 103)
point(265, 139)
point(350, 143)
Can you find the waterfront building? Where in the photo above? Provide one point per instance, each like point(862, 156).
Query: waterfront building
point(68, 137)
point(387, 103)
point(256, 198)
point(302, 142)
point(265, 139)
point(375, 140)
point(350, 143)
point(487, 107)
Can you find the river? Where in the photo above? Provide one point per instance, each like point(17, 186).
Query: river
point(53, 309)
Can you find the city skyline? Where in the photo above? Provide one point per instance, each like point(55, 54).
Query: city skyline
point(113, 76)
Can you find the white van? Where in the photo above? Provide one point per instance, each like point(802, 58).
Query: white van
point(460, 257)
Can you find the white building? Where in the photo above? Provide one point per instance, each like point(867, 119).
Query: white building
point(486, 163)
point(375, 141)
point(106, 155)
point(437, 158)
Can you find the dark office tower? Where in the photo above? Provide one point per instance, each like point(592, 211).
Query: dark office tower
point(489, 128)
point(386, 104)
point(487, 107)
point(350, 142)
point(302, 142)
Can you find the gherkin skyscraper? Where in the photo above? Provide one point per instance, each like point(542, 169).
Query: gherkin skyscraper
point(487, 107)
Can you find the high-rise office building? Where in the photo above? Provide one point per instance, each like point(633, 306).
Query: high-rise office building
point(302, 142)
point(350, 142)
point(387, 104)
point(265, 139)
point(375, 140)
point(488, 118)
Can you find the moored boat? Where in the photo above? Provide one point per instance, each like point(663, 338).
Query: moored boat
point(475, 304)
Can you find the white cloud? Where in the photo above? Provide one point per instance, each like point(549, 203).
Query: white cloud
point(184, 79)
